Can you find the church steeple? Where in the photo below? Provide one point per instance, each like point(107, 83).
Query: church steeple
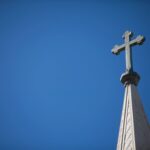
point(134, 132)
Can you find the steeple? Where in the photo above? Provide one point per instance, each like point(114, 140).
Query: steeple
point(134, 132)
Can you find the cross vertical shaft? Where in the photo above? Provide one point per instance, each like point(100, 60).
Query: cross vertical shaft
point(128, 52)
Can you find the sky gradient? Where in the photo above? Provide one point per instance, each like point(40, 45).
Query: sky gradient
point(59, 82)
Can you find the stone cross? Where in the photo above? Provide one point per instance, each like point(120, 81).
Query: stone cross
point(127, 47)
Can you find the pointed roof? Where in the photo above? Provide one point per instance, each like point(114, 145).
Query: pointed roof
point(134, 133)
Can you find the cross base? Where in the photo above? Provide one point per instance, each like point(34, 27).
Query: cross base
point(130, 78)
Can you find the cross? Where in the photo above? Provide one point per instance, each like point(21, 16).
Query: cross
point(127, 47)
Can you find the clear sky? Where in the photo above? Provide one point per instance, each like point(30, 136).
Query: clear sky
point(59, 82)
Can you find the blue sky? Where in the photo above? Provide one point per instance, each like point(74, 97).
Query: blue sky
point(59, 82)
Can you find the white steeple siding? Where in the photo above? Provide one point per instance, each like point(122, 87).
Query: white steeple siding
point(134, 133)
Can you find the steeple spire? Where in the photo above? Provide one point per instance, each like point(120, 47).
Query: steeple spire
point(134, 133)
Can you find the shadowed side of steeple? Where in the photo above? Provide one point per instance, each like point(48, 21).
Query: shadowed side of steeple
point(141, 125)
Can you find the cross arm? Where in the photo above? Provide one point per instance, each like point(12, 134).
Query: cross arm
point(117, 49)
point(139, 40)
